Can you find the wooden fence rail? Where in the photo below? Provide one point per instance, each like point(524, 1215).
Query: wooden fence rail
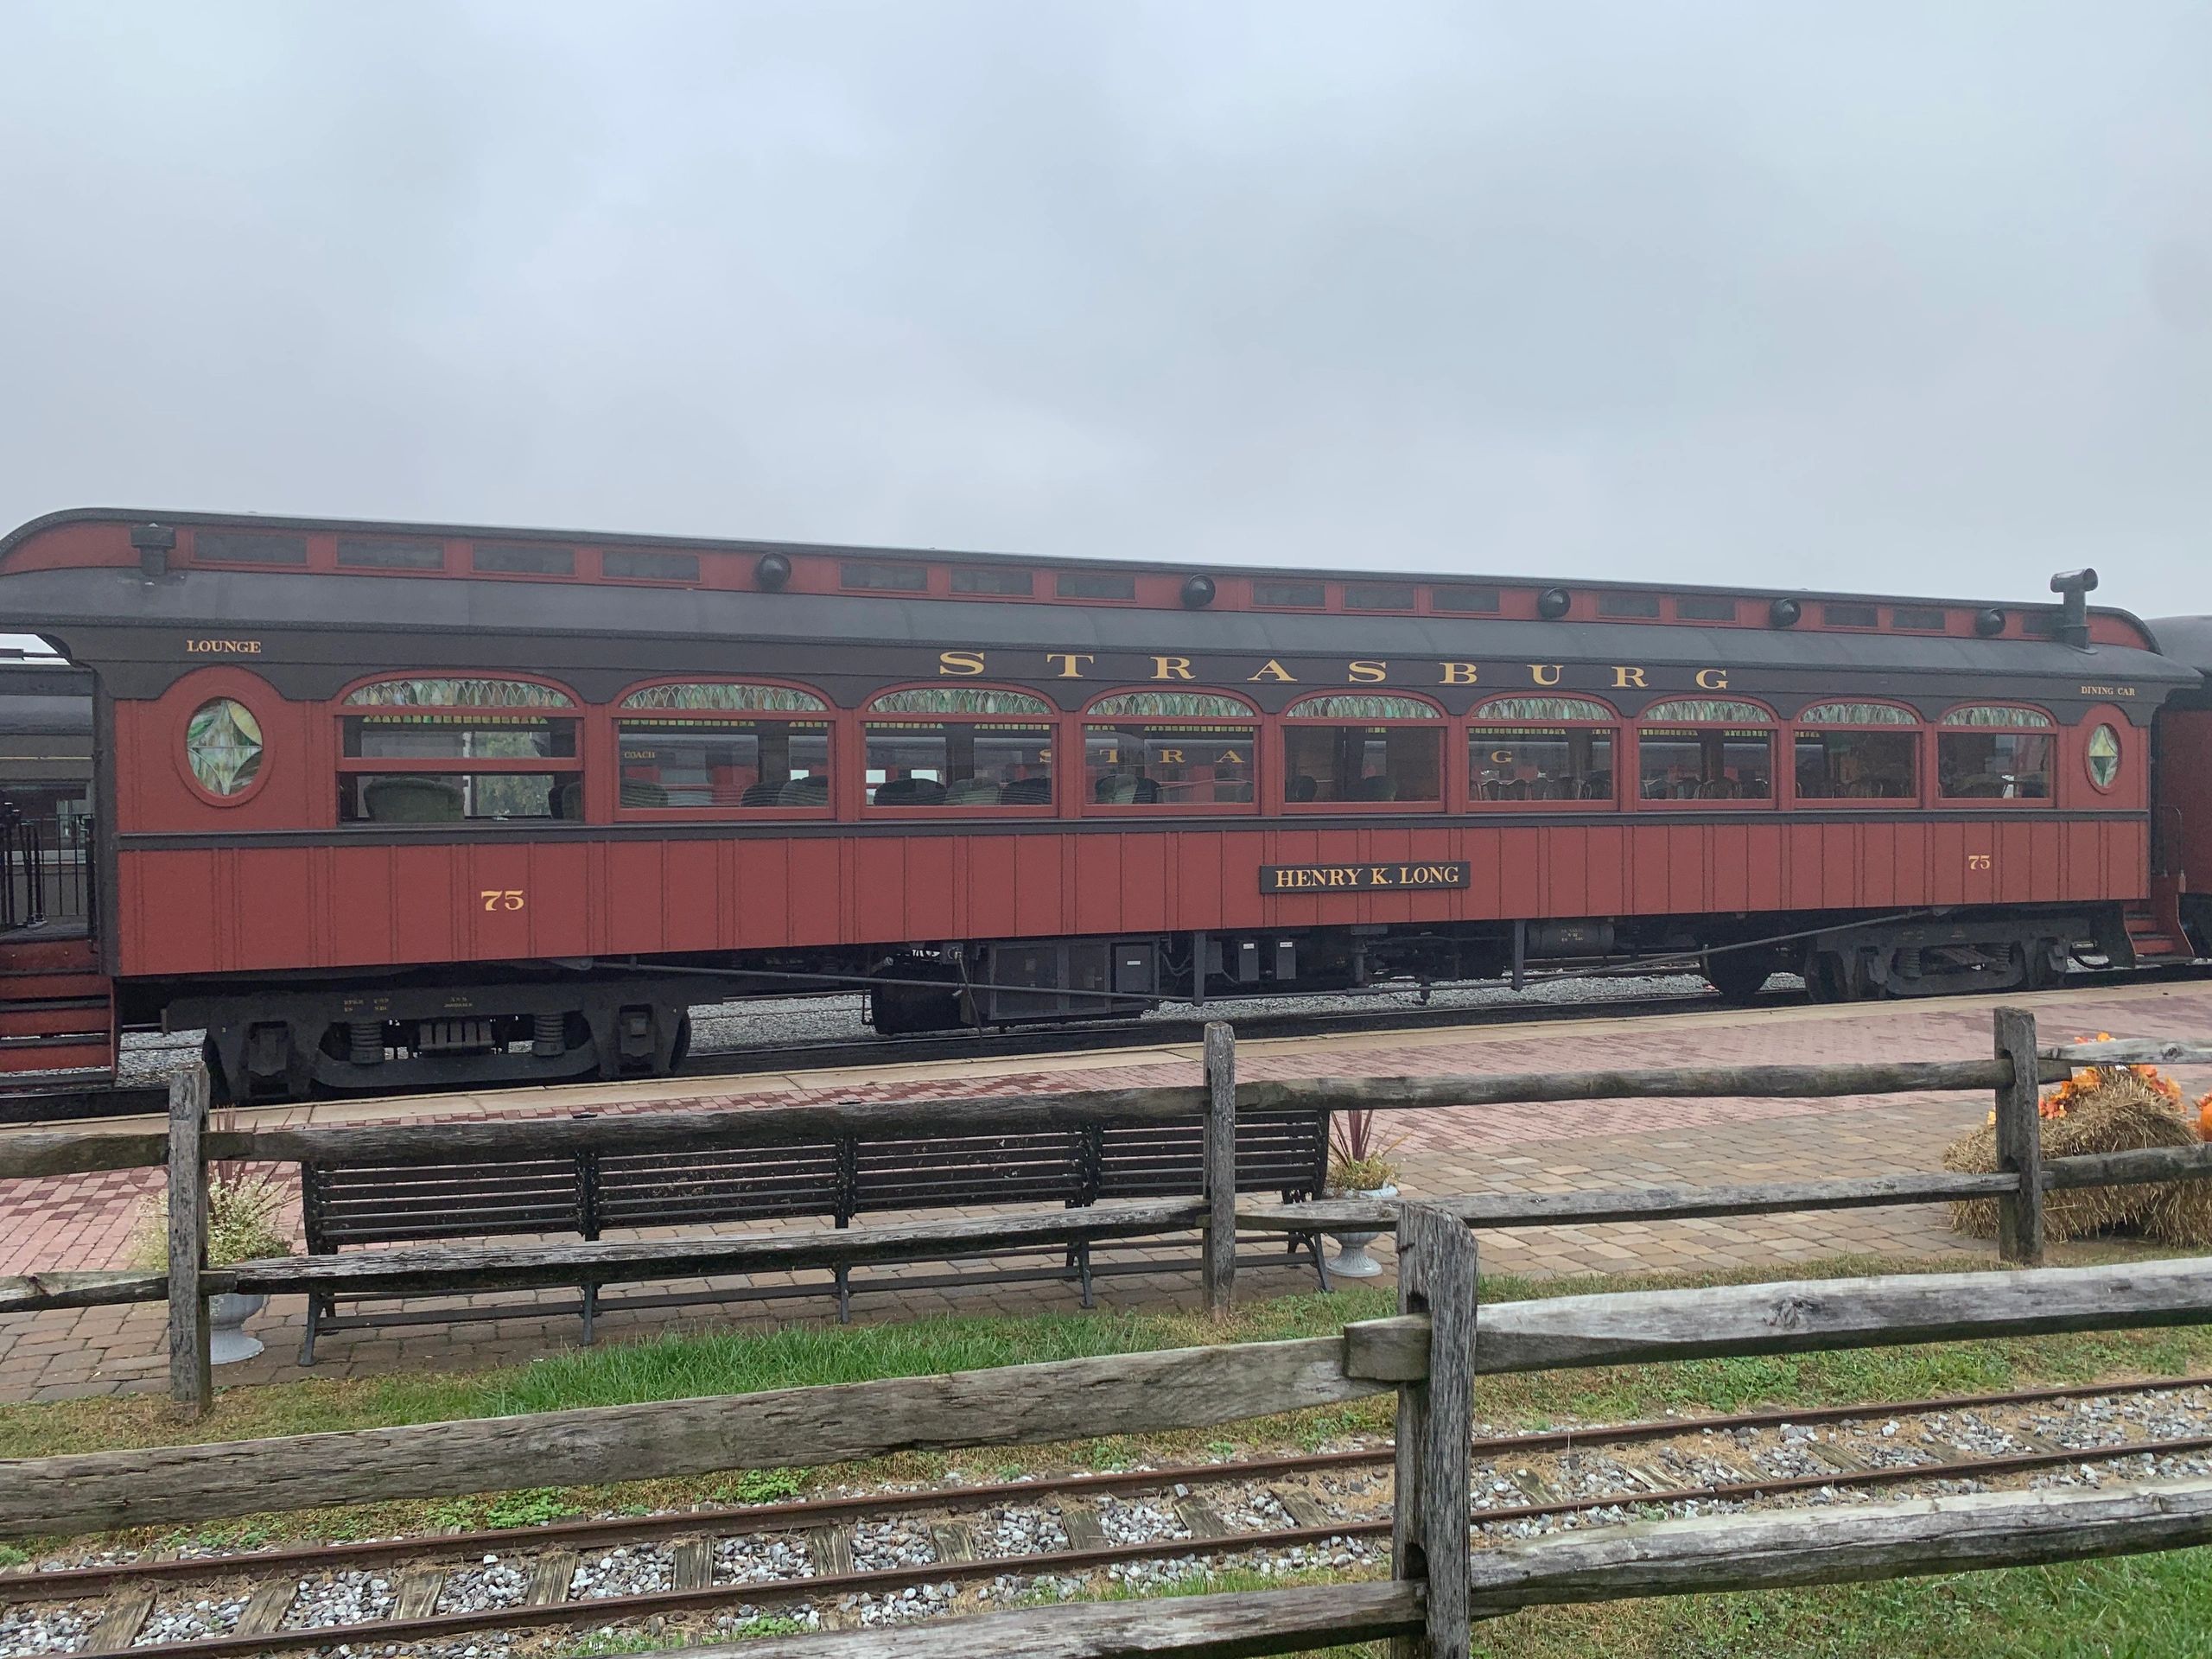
point(1080, 1399)
point(27, 1153)
point(2018, 1185)
point(1668, 1557)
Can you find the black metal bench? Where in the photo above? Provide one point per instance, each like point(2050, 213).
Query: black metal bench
point(835, 1181)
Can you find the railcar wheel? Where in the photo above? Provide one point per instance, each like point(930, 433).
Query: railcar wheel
point(1835, 976)
point(1740, 979)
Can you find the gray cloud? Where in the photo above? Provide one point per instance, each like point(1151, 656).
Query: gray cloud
point(1850, 294)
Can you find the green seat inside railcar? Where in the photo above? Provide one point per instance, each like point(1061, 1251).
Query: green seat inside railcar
point(412, 800)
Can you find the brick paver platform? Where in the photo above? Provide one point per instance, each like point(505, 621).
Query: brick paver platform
point(85, 1221)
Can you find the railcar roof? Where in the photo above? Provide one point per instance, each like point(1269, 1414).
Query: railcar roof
point(574, 622)
point(2186, 639)
point(122, 518)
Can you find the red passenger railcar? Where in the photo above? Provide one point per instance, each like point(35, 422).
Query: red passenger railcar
point(381, 804)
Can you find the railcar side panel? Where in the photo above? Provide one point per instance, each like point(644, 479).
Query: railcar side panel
point(2186, 758)
point(271, 907)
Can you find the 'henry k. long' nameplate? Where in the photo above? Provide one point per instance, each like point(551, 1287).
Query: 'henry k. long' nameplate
point(1345, 878)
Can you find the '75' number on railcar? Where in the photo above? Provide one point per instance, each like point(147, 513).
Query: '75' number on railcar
point(502, 898)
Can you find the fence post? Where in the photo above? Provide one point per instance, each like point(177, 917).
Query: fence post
point(1220, 1272)
point(1429, 1519)
point(191, 1384)
point(2019, 1141)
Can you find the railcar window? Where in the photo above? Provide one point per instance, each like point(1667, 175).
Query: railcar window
point(521, 559)
point(1174, 705)
point(1850, 616)
point(884, 578)
point(1977, 760)
point(365, 553)
point(222, 745)
point(1511, 709)
point(724, 694)
point(724, 764)
point(1525, 763)
point(458, 737)
point(1095, 584)
point(248, 547)
point(1857, 713)
point(966, 765)
point(1720, 764)
point(455, 750)
point(2102, 757)
point(1858, 765)
point(1628, 605)
point(456, 767)
point(1351, 706)
point(1708, 749)
point(1464, 601)
point(1927, 619)
point(1307, 595)
point(1018, 584)
point(1378, 596)
point(958, 700)
point(1131, 764)
point(458, 693)
point(629, 564)
point(1363, 761)
point(1704, 607)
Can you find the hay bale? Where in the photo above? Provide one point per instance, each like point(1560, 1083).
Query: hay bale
point(2107, 1110)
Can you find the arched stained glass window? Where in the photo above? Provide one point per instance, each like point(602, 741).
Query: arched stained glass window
point(1709, 711)
point(1857, 713)
point(458, 694)
point(958, 700)
point(714, 697)
point(1172, 705)
point(222, 745)
point(1998, 713)
point(1344, 706)
point(1544, 708)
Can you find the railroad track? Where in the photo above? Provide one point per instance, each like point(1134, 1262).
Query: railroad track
point(62, 1103)
point(878, 1556)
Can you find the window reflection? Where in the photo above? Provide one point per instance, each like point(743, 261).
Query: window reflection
point(1136, 765)
point(975, 765)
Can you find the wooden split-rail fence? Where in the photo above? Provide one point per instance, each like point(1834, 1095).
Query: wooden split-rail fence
point(2011, 1077)
point(1429, 1354)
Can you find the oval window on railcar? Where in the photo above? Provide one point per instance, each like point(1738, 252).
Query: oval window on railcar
point(1857, 751)
point(2103, 755)
point(1558, 750)
point(458, 750)
point(1342, 747)
point(1170, 751)
point(222, 745)
point(971, 748)
point(722, 746)
point(1994, 751)
point(1706, 749)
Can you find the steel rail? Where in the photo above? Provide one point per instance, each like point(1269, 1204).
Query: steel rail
point(1054, 1563)
point(22, 1585)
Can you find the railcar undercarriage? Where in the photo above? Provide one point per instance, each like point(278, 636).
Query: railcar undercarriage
point(576, 1021)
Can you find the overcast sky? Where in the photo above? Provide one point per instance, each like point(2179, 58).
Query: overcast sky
point(1896, 296)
